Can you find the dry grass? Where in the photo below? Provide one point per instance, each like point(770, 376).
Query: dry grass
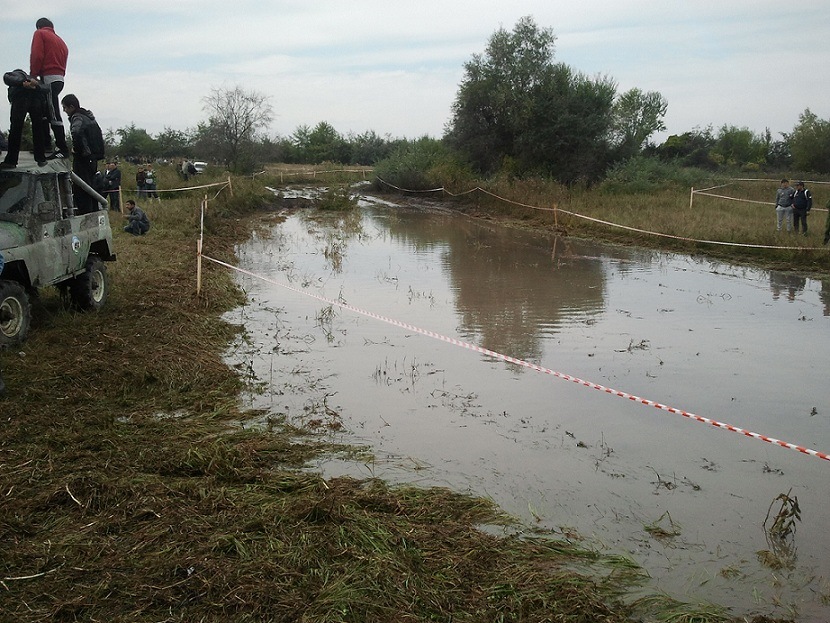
point(667, 212)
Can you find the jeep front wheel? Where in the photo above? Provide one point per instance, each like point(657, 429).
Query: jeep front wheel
point(15, 313)
point(89, 290)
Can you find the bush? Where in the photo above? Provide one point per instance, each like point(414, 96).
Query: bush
point(422, 165)
point(642, 175)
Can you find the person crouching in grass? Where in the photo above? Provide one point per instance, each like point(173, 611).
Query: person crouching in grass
point(138, 224)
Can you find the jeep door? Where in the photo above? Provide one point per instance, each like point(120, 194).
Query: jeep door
point(55, 258)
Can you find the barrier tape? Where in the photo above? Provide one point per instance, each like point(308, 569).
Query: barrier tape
point(178, 190)
point(526, 364)
point(705, 194)
point(609, 223)
point(765, 203)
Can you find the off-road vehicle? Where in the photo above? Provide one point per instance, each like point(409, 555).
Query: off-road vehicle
point(45, 242)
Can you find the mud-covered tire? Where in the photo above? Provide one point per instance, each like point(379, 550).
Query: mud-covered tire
point(15, 313)
point(89, 290)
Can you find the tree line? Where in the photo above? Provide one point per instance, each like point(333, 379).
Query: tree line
point(517, 112)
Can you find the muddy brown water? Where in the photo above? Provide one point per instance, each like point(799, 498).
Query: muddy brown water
point(739, 345)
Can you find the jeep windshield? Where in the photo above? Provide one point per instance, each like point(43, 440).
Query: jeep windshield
point(14, 192)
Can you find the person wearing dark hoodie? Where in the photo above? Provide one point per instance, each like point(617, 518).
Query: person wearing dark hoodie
point(47, 63)
point(26, 98)
point(87, 149)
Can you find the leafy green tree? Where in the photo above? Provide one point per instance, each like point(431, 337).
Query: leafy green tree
point(690, 148)
point(739, 146)
point(810, 143)
point(568, 127)
point(369, 147)
point(135, 142)
point(516, 106)
point(174, 143)
point(326, 145)
point(235, 116)
point(636, 116)
point(778, 152)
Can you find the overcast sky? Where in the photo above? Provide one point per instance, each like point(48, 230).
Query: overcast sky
point(394, 67)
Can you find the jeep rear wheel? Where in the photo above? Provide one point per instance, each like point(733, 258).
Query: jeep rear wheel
point(15, 313)
point(89, 290)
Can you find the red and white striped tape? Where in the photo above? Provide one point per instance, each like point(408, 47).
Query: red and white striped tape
point(532, 366)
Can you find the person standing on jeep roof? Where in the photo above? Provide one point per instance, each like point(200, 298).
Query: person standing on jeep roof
point(87, 149)
point(26, 98)
point(47, 62)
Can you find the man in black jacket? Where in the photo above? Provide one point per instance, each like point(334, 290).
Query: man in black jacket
point(26, 98)
point(112, 180)
point(802, 203)
point(87, 149)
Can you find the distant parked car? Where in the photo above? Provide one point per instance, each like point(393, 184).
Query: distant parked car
point(200, 166)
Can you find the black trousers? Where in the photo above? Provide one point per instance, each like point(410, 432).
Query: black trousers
point(55, 121)
point(85, 168)
point(26, 102)
point(800, 214)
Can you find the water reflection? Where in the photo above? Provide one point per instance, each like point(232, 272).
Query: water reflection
point(788, 284)
point(507, 295)
point(824, 295)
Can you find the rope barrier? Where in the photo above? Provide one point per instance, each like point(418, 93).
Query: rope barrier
point(611, 224)
point(532, 366)
point(703, 192)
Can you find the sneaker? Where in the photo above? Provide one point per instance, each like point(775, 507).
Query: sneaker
point(56, 155)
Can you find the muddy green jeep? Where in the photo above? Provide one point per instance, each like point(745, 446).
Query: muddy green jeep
point(44, 242)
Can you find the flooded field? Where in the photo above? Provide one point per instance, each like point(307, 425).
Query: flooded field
point(691, 503)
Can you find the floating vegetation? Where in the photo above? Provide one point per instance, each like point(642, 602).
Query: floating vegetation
point(780, 533)
point(664, 528)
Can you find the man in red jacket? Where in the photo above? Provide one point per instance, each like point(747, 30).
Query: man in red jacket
point(48, 64)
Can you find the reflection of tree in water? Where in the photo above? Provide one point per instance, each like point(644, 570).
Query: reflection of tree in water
point(785, 283)
point(509, 286)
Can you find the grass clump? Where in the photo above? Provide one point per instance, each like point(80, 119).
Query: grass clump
point(337, 199)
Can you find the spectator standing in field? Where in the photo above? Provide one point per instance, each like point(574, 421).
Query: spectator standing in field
point(26, 98)
point(112, 179)
point(802, 204)
point(140, 179)
point(784, 204)
point(185, 169)
point(47, 63)
point(87, 149)
point(150, 183)
point(138, 224)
